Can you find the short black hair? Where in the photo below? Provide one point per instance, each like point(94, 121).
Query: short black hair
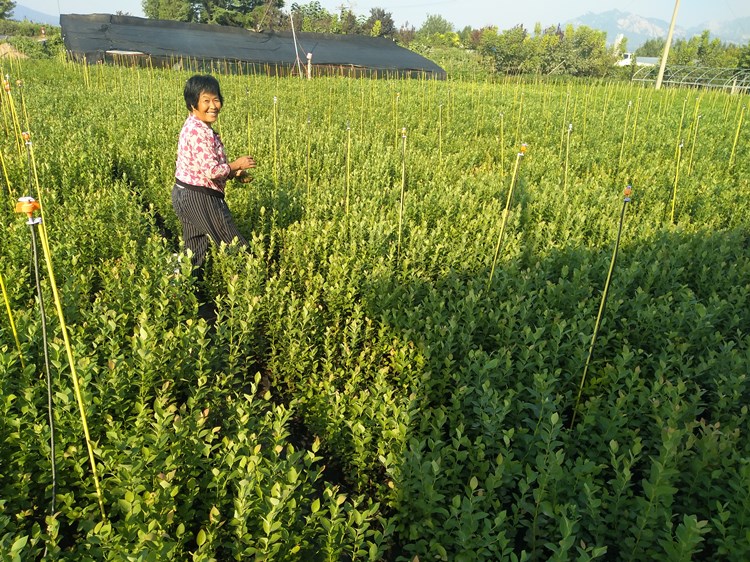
point(198, 84)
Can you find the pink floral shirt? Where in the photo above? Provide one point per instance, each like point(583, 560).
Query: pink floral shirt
point(201, 159)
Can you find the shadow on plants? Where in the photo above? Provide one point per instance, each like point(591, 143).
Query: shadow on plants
point(487, 466)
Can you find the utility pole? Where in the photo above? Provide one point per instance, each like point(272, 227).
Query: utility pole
point(665, 54)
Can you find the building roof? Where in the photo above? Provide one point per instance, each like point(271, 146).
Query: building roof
point(629, 58)
point(95, 36)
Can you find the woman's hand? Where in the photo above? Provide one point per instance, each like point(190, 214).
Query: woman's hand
point(243, 176)
point(240, 166)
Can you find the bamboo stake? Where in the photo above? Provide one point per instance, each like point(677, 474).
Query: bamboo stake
point(348, 166)
point(676, 177)
point(567, 154)
point(692, 144)
point(11, 321)
point(275, 143)
point(626, 200)
point(506, 211)
point(307, 166)
point(624, 134)
point(64, 328)
point(736, 138)
point(403, 192)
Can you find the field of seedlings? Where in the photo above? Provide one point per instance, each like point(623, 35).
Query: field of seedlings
point(457, 334)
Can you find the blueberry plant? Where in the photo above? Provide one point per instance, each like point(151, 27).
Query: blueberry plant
point(365, 388)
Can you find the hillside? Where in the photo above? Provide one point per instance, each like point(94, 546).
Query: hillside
point(638, 29)
point(23, 13)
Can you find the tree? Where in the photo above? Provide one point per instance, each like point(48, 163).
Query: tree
point(472, 38)
point(701, 50)
point(348, 22)
point(465, 36)
point(437, 31)
point(405, 34)
point(6, 9)
point(312, 17)
point(544, 54)
point(580, 51)
point(683, 52)
point(508, 50)
point(386, 26)
point(743, 59)
point(592, 58)
point(434, 25)
point(179, 10)
point(651, 48)
point(714, 53)
point(244, 13)
point(268, 16)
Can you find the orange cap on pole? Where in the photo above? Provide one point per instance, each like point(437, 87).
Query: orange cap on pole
point(27, 205)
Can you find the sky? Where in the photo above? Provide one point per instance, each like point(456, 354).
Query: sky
point(462, 13)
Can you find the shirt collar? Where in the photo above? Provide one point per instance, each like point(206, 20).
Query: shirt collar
point(198, 122)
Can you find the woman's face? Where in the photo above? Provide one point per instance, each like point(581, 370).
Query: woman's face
point(208, 108)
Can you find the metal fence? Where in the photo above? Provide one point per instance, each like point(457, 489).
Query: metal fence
point(734, 80)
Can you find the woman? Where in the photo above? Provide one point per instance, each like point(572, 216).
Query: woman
point(202, 172)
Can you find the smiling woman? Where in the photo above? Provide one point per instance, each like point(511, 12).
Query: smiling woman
point(202, 171)
point(208, 107)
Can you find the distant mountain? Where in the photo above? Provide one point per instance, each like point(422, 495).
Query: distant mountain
point(21, 13)
point(638, 29)
point(736, 31)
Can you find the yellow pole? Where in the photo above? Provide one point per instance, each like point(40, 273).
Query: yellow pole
point(12, 322)
point(667, 44)
point(64, 328)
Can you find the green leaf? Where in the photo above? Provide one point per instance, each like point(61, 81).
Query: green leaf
point(19, 544)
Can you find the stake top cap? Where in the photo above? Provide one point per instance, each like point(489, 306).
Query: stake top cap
point(27, 205)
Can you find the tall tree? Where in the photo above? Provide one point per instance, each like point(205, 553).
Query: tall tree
point(6, 9)
point(744, 57)
point(544, 52)
point(508, 50)
point(651, 48)
point(714, 53)
point(578, 51)
point(437, 31)
point(244, 13)
point(683, 52)
point(405, 34)
point(179, 10)
point(313, 17)
point(590, 49)
point(387, 26)
point(349, 24)
point(433, 25)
